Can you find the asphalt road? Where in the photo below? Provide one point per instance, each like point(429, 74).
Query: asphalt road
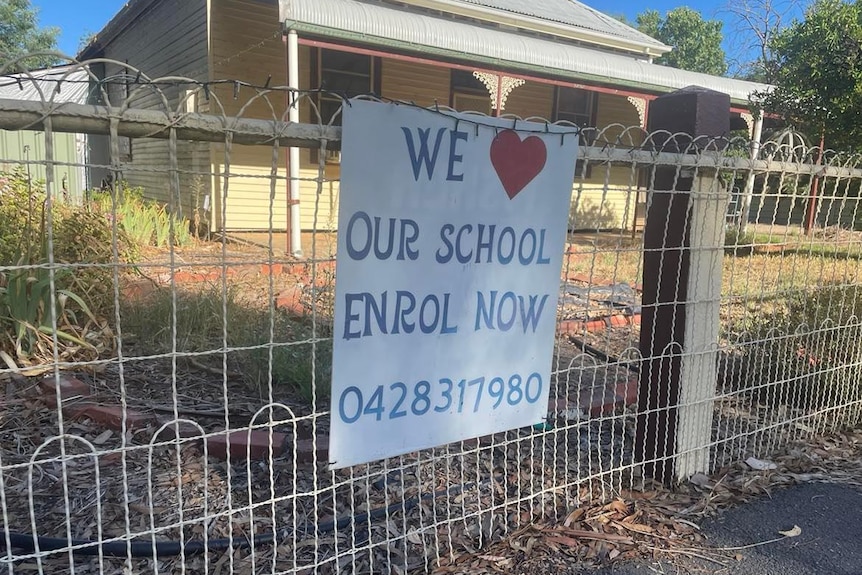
point(830, 517)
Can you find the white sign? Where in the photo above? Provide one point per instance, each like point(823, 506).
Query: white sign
point(451, 231)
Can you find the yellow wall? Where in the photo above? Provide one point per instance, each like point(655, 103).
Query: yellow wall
point(607, 199)
point(531, 99)
point(247, 45)
point(411, 82)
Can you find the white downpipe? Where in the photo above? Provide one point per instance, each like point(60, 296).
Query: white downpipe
point(757, 134)
point(293, 116)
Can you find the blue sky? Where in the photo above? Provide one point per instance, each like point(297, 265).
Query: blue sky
point(75, 18)
point(78, 17)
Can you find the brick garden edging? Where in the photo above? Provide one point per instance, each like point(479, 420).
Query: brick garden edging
point(241, 443)
point(574, 326)
point(77, 403)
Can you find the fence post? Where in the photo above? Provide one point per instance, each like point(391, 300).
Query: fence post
point(681, 289)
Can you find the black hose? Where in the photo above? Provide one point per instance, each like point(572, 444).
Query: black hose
point(602, 355)
point(141, 549)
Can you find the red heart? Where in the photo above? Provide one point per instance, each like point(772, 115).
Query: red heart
point(517, 162)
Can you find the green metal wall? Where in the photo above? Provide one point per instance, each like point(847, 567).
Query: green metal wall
point(68, 175)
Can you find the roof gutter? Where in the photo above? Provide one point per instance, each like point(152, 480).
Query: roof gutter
point(542, 26)
point(365, 39)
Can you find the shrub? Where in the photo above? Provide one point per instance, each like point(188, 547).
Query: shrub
point(808, 355)
point(83, 242)
point(79, 237)
point(20, 214)
point(145, 223)
point(26, 301)
point(737, 242)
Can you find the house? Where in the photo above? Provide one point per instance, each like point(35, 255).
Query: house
point(26, 148)
point(554, 59)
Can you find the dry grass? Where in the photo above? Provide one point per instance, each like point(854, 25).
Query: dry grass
point(817, 261)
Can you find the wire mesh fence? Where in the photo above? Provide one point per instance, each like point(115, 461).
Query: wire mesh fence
point(167, 365)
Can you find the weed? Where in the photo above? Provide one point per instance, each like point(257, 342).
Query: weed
point(208, 320)
point(26, 305)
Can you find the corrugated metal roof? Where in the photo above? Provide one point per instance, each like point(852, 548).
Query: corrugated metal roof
point(571, 13)
point(387, 26)
point(74, 85)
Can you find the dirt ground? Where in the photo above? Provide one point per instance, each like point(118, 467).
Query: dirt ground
point(159, 479)
point(148, 481)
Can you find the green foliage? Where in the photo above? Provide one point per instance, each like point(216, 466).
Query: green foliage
point(20, 35)
point(27, 323)
point(738, 242)
point(818, 74)
point(201, 317)
point(144, 223)
point(696, 42)
point(79, 235)
point(87, 38)
point(85, 250)
point(26, 310)
point(17, 212)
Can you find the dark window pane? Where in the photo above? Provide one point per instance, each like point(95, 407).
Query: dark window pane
point(573, 101)
point(328, 109)
point(465, 80)
point(345, 73)
point(346, 83)
point(346, 62)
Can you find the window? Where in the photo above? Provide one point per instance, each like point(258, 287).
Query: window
point(468, 94)
point(578, 107)
point(346, 75)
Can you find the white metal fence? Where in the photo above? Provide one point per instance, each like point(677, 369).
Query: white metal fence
point(167, 406)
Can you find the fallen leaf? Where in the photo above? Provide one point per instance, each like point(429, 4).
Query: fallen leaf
point(414, 538)
point(795, 532)
point(760, 465)
point(574, 516)
point(700, 480)
point(103, 437)
point(563, 540)
point(494, 558)
point(619, 506)
point(636, 527)
point(613, 554)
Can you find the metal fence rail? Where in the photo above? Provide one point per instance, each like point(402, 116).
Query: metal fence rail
point(167, 404)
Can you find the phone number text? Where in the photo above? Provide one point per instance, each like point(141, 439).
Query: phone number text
point(399, 400)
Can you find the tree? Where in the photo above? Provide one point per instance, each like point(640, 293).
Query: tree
point(87, 38)
point(20, 34)
point(696, 42)
point(754, 24)
point(818, 74)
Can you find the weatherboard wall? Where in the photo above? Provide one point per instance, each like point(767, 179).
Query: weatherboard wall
point(169, 39)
